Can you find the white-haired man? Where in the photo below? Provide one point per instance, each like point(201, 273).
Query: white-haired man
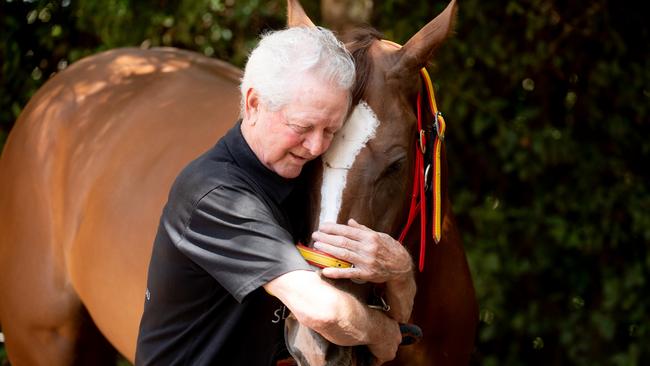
point(226, 237)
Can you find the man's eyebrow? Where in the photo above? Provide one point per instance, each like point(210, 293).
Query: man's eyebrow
point(300, 123)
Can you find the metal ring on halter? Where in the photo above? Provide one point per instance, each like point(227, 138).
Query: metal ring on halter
point(421, 141)
point(437, 125)
point(427, 180)
point(383, 307)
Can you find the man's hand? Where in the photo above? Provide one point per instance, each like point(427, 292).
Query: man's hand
point(386, 349)
point(377, 257)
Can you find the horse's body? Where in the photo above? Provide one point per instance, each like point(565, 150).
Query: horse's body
point(86, 171)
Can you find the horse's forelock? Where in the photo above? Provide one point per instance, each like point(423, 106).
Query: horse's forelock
point(358, 42)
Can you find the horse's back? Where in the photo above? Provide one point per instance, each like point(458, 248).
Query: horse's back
point(85, 173)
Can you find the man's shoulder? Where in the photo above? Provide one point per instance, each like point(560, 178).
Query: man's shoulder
point(210, 185)
point(205, 175)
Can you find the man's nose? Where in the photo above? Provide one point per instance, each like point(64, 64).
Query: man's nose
point(316, 144)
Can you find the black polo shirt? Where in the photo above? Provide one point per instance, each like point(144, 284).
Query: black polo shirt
point(225, 231)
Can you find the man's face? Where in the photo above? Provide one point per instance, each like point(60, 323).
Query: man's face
point(285, 139)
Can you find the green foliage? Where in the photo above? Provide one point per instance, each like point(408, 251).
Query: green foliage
point(548, 107)
point(548, 140)
point(41, 37)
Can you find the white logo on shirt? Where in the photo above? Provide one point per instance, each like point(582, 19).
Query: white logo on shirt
point(280, 314)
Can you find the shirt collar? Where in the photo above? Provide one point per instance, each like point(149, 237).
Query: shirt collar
point(275, 186)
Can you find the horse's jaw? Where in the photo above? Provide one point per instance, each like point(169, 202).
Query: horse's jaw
point(309, 348)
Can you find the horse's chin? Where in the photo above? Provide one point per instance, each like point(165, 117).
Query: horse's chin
point(309, 348)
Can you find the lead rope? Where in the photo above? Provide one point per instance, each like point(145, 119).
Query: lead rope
point(418, 196)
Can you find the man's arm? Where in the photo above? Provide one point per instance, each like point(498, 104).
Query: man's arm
point(400, 294)
point(338, 316)
point(377, 257)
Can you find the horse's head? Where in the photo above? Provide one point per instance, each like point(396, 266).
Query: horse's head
point(368, 172)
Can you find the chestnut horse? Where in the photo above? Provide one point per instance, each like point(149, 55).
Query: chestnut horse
point(379, 184)
point(88, 165)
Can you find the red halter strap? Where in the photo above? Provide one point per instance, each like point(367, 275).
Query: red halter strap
point(420, 181)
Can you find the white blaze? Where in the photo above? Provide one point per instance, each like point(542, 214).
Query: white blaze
point(338, 159)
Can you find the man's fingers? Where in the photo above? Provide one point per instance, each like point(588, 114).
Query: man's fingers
point(350, 232)
point(337, 240)
point(354, 223)
point(340, 273)
point(337, 251)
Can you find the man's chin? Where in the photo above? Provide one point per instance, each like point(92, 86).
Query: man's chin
point(289, 172)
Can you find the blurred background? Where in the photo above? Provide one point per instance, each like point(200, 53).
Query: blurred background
point(547, 105)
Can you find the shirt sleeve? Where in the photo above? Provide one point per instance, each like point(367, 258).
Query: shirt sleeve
point(233, 235)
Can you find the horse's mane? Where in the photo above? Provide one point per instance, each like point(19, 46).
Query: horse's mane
point(358, 42)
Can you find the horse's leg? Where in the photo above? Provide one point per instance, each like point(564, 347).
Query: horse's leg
point(75, 341)
point(42, 318)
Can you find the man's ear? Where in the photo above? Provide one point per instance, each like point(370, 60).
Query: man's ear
point(251, 106)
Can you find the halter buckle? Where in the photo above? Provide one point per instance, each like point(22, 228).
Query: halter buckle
point(439, 125)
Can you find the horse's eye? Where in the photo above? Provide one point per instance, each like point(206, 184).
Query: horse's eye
point(394, 168)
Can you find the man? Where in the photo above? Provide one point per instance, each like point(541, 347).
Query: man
point(226, 237)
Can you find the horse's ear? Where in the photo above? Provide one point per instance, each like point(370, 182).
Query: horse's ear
point(296, 16)
point(420, 48)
